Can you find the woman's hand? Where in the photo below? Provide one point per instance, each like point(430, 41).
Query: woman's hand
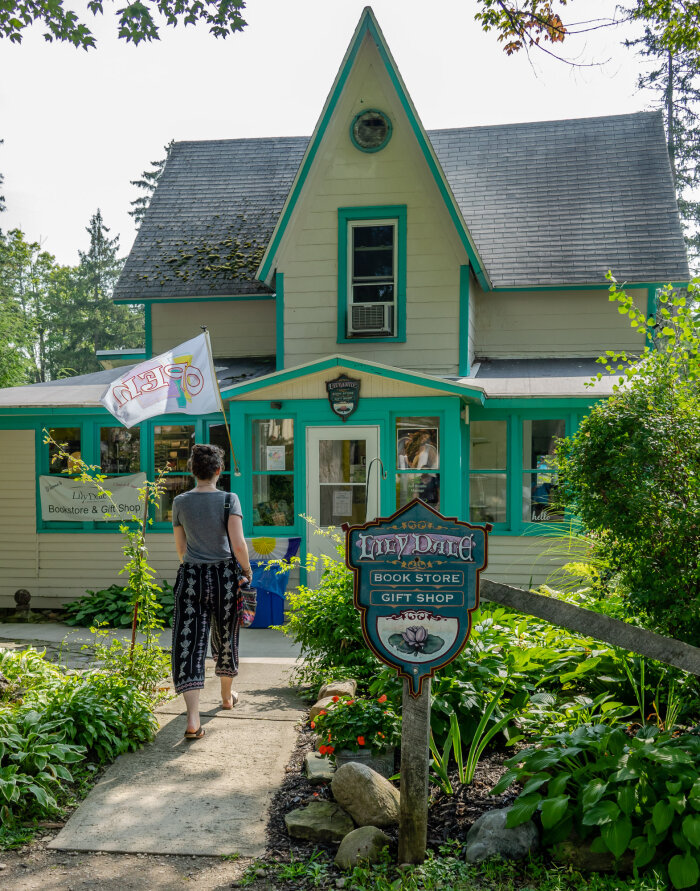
point(248, 573)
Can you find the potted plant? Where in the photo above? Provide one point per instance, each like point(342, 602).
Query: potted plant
point(359, 729)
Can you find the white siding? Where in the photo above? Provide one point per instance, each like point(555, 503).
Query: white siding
point(552, 323)
point(524, 561)
point(343, 176)
point(236, 327)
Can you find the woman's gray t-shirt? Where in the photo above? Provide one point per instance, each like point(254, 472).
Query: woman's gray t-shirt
point(201, 515)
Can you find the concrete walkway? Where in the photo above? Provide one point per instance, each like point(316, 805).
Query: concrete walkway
point(206, 797)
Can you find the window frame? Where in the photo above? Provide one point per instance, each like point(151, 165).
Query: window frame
point(348, 219)
point(273, 531)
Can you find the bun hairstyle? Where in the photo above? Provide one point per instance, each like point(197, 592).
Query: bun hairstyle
point(206, 460)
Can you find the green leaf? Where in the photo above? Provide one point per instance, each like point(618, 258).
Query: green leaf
point(683, 871)
point(691, 829)
point(662, 816)
point(522, 809)
point(645, 854)
point(600, 813)
point(553, 809)
point(626, 799)
point(617, 836)
point(593, 792)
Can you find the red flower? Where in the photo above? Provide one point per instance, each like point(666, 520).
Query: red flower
point(361, 740)
point(322, 712)
point(330, 749)
point(336, 698)
point(322, 750)
point(350, 702)
point(379, 733)
point(382, 698)
point(313, 724)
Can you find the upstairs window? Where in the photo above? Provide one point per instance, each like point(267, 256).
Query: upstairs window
point(372, 265)
point(372, 273)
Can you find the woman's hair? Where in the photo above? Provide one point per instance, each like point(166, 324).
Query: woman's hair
point(206, 460)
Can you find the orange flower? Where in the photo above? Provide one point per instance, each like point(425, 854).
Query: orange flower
point(382, 698)
point(313, 724)
point(336, 698)
point(361, 740)
point(379, 733)
point(322, 712)
point(350, 702)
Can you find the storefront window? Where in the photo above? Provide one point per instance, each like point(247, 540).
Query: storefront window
point(120, 450)
point(540, 482)
point(68, 438)
point(418, 460)
point(218, 436)
point(171, 447)
point(489, 486)
point(273, 472)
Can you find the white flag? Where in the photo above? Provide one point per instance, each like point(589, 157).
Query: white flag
point(179, 381)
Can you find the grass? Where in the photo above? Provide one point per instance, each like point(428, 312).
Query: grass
point(444, 871)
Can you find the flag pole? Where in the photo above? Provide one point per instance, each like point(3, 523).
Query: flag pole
point(236, 469)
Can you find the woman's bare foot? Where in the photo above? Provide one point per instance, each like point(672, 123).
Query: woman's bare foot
point(230, 701)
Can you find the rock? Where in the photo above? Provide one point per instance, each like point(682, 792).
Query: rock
point(338, 688)
point(363, 845)
point(489, 837)
point(577, 852)
point(382, 760)
point(317, 768)
point(326, 703)
point(321, 821)
point(365, 795)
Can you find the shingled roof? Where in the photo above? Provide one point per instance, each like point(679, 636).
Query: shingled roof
point(547, 203)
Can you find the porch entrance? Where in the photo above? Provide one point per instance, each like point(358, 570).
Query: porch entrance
point(337, 462)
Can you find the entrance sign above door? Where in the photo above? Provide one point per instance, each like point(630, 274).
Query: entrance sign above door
point(416, 584)
point(343, 395)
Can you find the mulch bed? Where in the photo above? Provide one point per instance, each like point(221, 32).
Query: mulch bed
point(449, 816)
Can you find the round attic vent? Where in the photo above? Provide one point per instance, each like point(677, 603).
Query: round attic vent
point(370, 130)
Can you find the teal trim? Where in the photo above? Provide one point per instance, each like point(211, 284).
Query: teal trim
point(347, 215)
point(464, 363)
point(368, 25)
point(279, 320)
point(148, 330)
point(652, 307)
point(376, 148)
point(421, 380)
point(150, 301)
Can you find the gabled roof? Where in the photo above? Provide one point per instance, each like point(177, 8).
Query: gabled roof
point(552, 203)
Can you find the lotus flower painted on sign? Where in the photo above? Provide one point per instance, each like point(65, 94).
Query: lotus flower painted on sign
point(417, 634)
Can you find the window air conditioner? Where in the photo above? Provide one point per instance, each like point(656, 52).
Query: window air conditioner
point(371, 318)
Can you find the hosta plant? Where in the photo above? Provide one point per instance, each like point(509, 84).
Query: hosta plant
point(623, 794)
point(355, 723)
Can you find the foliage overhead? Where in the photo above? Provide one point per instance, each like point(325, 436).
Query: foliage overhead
point(138, 21)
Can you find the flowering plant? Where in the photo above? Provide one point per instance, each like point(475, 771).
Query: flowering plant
point(355, 723)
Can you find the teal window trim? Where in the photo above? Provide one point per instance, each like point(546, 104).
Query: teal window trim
point(299, 455)
point(652, 309)
point(385, 142)
point(464, 293)
point(445, 448)
point(279, 321)
point(504, 527)
point(346, 216)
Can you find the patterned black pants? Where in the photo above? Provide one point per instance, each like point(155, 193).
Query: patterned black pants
point(206, 596)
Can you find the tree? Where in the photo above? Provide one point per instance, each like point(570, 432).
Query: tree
point(136, 20)
point(2, 180)
point(632, 471)
point(524, 24)
point(84, 317)
point(148, 182)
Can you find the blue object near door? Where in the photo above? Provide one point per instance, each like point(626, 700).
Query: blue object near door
point(271, 584)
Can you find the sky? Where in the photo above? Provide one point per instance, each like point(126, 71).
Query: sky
point(78, 126)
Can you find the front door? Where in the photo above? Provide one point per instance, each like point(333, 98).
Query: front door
point(338, 459)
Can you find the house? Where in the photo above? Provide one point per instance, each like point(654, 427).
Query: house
point(393, 313)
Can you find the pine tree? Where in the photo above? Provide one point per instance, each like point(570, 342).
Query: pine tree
point(148, 182)
point(674, 79)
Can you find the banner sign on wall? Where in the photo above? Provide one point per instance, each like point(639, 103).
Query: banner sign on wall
point(68, 500)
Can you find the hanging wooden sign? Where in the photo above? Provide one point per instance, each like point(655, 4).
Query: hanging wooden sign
point(343, 395)
point(416, 586)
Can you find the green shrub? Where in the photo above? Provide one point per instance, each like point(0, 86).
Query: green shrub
point(33, 759)
point(621, 793)
point(113, 606)
point(355, 723)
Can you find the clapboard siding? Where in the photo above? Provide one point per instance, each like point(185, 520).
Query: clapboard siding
point(345, 177)
point(523, 561)
point(236, 327)
point(552, 323)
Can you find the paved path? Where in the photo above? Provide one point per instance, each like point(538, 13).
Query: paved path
point(207, 797)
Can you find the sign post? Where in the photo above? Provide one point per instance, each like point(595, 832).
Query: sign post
point(416, 584)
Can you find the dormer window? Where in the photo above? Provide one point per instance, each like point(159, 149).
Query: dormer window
point(372, 273)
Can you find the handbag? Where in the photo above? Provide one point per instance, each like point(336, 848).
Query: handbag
point(247, 596)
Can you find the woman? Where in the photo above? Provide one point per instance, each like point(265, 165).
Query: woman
point(206, 589)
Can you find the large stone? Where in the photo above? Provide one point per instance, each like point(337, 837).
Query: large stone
point(338, 688)
point(318, 769)
point(490, 837)
point(365, 795)
point(320, 821)
point(363, 845)
point(325, 703)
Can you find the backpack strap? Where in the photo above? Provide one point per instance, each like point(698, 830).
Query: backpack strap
point(228, 503)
